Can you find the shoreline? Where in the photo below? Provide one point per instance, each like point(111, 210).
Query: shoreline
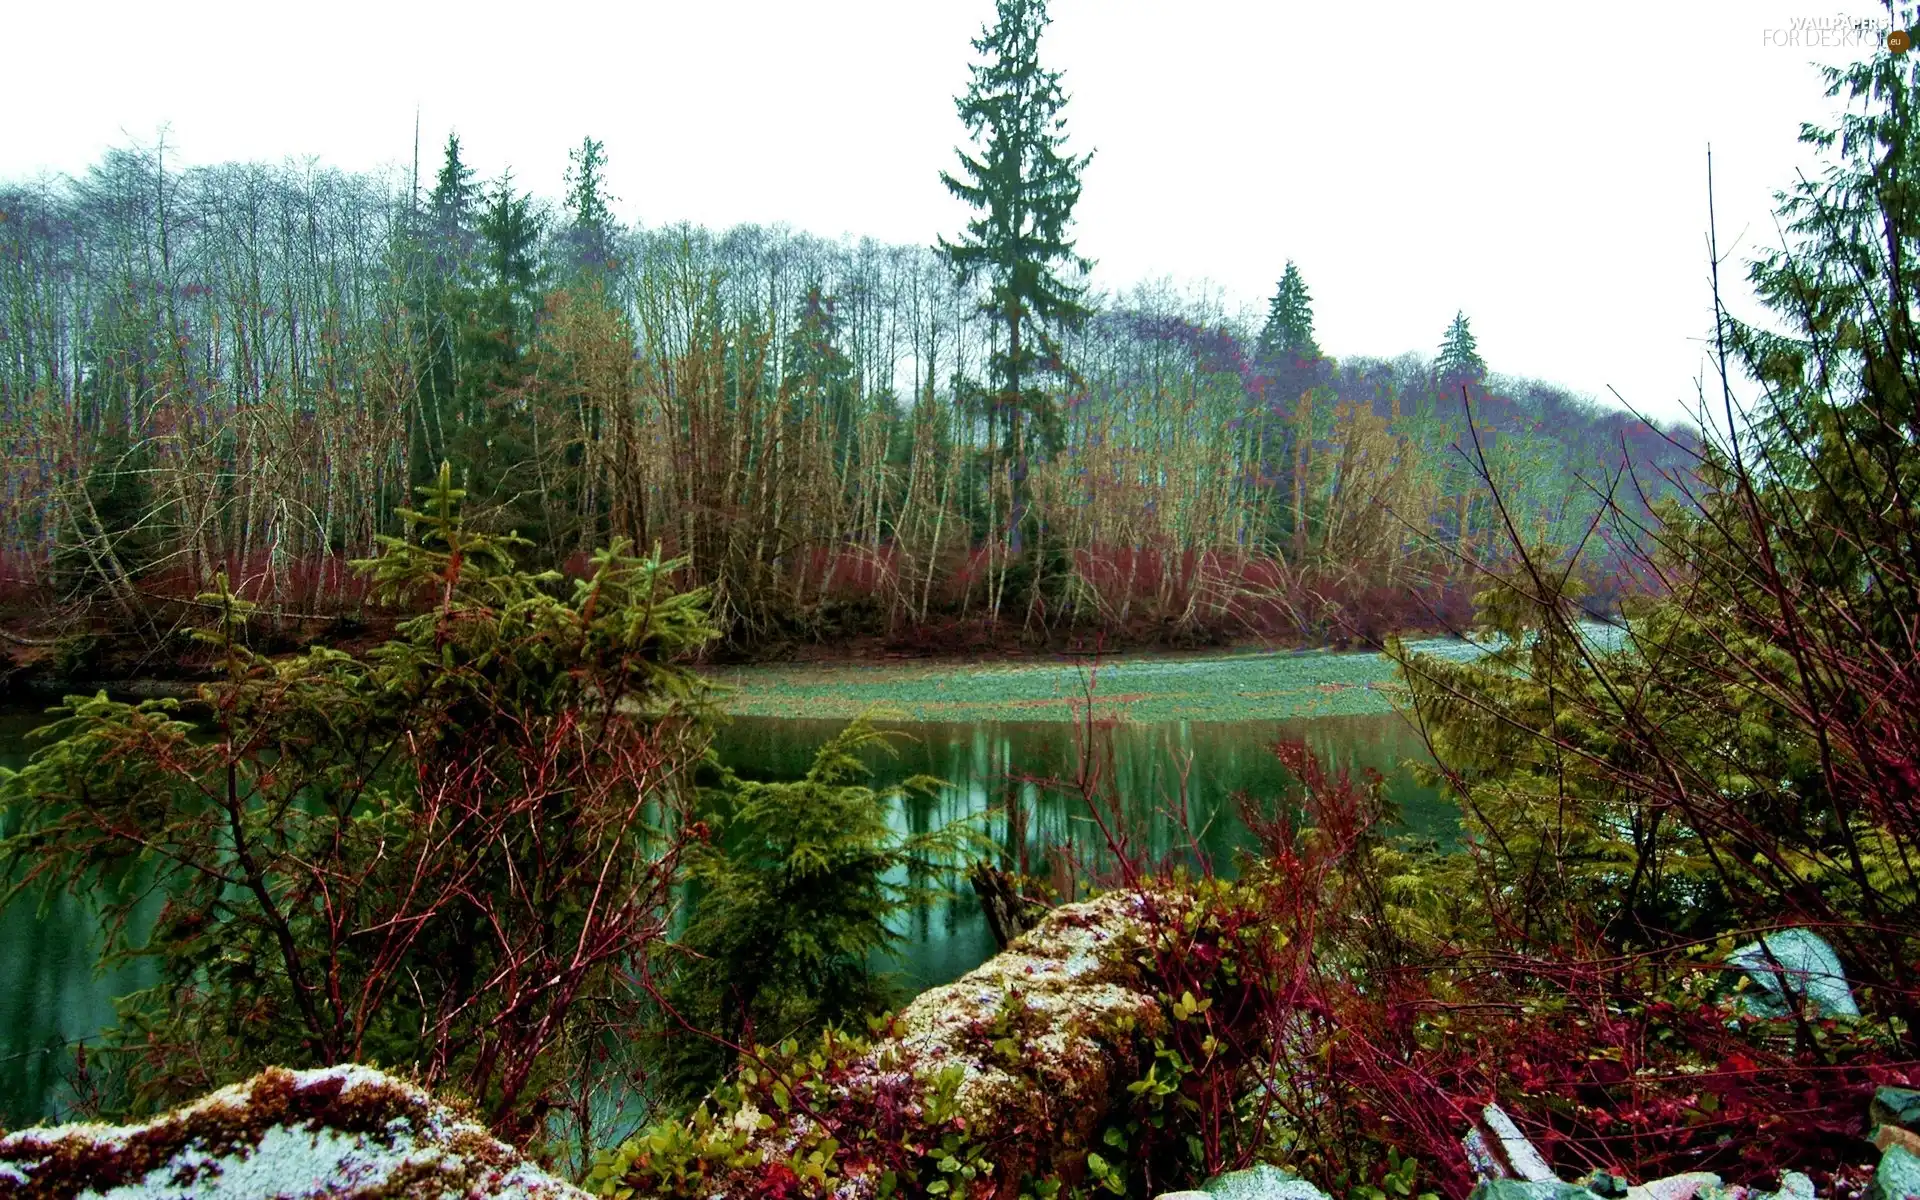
point(1245, 678)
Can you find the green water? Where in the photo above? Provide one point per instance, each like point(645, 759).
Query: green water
point(1181, 782)
point(52, 995)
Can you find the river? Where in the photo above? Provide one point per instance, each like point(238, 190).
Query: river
point(956, 729)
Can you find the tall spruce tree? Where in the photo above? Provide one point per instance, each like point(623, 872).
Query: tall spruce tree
point(590, 232)
point(1288, 333)
point(1459, 359)
point(497, 445)
point(451, 207)
point(441, 303)
point(1024, 186)
point(510, 294)
point(818, 375)
point(1290, 361)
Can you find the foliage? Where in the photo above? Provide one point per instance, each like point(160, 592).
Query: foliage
point(450, 855)
point(453, 205)
point(900, 1135)
point(587, 203)
point(829, 468)
point(1288, 333)
point(110, 533)
point(1459, 359)
point(1742, 762)
point(1024, 188)
point(1746, 760)
point(1347, 1005)
point(799, 889)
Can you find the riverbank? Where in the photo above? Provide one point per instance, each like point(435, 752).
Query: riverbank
point(41, 657)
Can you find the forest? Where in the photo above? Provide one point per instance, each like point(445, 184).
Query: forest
point(247, 368)
point(443, 505)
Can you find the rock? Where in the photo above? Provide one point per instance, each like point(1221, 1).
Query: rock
point(1894, 1135)
point(1259, 1183)
point(1794, 1186)
point(1481, 1160)
point(1529, 1189)
point(1895, 1106)
point(1897, 1177)
point(1675, 1187)
point(334, 1133)
point(1075, 990)
point(1606, 1184)
point(1807, 969)
point(1189, 1195)
point(1525, 1161)
point(1028, 1053)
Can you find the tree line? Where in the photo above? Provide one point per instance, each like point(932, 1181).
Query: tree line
point(247, 368)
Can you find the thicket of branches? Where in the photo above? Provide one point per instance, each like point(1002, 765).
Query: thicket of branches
point(1746, 762)
point(455, 855)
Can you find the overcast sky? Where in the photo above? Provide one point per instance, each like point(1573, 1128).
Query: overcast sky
point(1540, 166)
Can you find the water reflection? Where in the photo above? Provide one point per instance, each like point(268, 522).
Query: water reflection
point(51, 993)
point(1158, 772)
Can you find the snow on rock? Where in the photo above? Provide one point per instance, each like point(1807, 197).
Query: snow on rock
point(342, 1133)
point(1035, 1044)
point(1791, 967)
point(1069, 992)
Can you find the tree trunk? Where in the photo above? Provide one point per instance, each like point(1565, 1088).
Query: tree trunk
point(1000, 900)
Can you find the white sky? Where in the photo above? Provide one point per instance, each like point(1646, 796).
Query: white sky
point(1541, 166)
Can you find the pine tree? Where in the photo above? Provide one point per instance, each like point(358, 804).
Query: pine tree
point(1459, 359)
point(801, 888)
point(510, 235)
point(1292, 365)
point(497, 444)
point(1288, 333)
point(590, 237)
point(440, 303)
point(1025, 187)
point(451, 208)
point(817, 372)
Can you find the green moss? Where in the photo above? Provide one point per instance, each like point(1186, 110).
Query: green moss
point(1233, 687)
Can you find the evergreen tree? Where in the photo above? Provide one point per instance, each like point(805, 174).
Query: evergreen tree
point(439, 302)
point(469, 780)
point(817, 371)
point(1459, 359)
point(114, 533)
point(510, 236)
point(497, 442)
point(1290, 361)
point(1025, 187)
point(801, 887)
point(590, 235)
point(451, 208)
point(1288, 333)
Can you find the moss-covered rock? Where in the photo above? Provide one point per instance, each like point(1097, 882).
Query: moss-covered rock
point(1004, 1075)
point(1068, 997)
point(339, 1132)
